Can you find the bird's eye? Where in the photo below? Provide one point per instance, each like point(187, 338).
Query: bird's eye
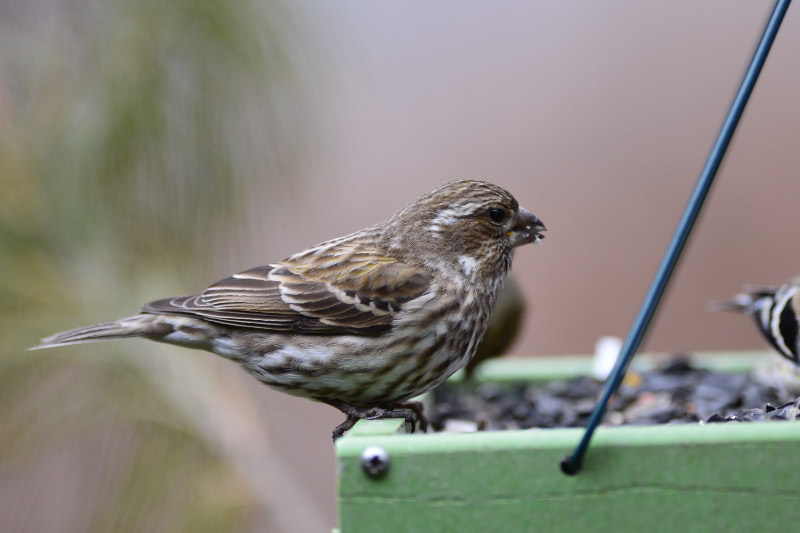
point(497, 215)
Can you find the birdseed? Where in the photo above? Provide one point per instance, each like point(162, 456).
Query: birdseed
point(676, 393)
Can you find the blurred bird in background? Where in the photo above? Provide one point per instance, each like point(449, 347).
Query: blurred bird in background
point(775, 312)
point(363, 322)
point(504, 326)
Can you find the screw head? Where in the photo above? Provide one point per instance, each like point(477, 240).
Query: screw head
point(375, 461)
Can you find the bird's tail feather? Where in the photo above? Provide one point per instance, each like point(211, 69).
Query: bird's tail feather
point(124, 328)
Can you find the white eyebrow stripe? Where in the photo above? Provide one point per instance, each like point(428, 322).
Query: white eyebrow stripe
point(455, 212)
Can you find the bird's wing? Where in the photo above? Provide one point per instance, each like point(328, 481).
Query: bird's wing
point(344, 291)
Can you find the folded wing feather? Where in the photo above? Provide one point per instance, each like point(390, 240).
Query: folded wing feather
point(358, 293)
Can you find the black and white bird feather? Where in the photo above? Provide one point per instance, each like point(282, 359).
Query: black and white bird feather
point(775, 311)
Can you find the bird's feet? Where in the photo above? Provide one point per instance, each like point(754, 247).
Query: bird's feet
point(416, 407)
point(411, 412)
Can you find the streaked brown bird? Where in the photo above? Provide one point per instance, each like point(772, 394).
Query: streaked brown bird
point(504, 326)
point(364, 322)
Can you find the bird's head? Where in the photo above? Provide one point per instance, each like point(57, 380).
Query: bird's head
point(472, 226)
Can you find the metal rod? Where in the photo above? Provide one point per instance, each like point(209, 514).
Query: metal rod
point(572, 464)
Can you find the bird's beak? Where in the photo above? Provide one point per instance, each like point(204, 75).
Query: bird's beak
point(527, 228)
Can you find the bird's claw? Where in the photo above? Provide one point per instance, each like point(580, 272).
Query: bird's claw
point(410, 412)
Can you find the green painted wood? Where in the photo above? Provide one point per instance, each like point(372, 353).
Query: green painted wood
point(699, 478)
point(718, 477)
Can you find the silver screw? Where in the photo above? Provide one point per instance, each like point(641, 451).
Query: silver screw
point(375, 461)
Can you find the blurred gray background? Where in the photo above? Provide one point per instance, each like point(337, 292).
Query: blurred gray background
point(148, 149)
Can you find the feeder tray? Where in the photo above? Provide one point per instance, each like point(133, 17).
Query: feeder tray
point(736, 476)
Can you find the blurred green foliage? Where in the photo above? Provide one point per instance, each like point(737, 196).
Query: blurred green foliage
point(130, 133)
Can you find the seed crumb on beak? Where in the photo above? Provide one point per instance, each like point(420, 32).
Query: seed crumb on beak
point(527, 229)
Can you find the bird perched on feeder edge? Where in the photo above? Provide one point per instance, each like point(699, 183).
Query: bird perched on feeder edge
point(364, 322)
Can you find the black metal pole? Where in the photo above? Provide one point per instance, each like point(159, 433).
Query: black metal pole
point(572, 464)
